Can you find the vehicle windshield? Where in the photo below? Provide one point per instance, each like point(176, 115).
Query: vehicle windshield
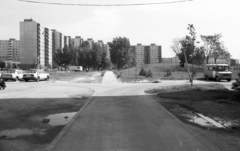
point(11, 71)
point(222, 68)
point(31, 71)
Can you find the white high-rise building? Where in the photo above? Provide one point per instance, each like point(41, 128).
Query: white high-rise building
point(90, 42)
point(76, 42)
point(32, 44)
point(147, 54)
point(10, 50)
point(139, 54)
point(38, 43)
point(59, 40)
point(154, 54)
point(107, 48)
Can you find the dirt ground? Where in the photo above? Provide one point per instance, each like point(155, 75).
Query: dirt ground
point(216, 104)
point(29, 114)
point(25, 106)
point(76, 77)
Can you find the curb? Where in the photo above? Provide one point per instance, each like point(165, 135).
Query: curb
point(68, 126)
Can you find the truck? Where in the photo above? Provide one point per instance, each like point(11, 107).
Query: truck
point(75, 68)
point(218, 72)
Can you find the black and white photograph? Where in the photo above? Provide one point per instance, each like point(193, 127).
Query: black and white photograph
point(119, 75)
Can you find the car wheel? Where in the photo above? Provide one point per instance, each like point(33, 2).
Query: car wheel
point(218, 79)
point(17, 79)
point(26, 80)
point(47, 78)
point(229, 80)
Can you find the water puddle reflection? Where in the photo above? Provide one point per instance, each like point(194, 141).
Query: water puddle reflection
point(198, 120)
point(15, 133)
point(205, 121)
point(60, 119)
point(21, 132)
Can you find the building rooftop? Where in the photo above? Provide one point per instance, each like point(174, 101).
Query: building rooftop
point(29, 20)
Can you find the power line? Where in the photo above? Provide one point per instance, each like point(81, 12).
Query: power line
point(171, 2)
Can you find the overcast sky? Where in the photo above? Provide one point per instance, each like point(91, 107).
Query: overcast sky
point(147, 24)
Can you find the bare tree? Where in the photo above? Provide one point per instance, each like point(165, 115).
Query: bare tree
point(211, 45)
point(177, 45)
point(177, 48)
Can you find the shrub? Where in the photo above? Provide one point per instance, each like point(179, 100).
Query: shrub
point(149, 73)
point(168, 73)
point(119, 75)
point(236, 86)
point(103, 72)
point(236, 96)
point(142, 72)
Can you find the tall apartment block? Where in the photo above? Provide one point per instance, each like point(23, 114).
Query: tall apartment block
point(76, 42)
point(106, 48)
point(155, 54)
point(38, 43)
point(32, 44)
point(59, 40)
point(139, 54)
point(10, 50)
point(147, 54)
point(90, 42)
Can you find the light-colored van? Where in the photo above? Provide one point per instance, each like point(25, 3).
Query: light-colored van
point(218, 72)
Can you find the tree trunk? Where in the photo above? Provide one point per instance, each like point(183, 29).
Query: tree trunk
point(190, 77)
point(215, 60)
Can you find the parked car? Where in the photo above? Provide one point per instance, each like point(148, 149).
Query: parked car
point(13, 74)
point(218, 72)
point(36, 75)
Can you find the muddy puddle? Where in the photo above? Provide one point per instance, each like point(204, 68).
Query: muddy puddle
point(59, 119)
point(198, 120)
point(20, 132)
point(205, 121)
point(53, 120)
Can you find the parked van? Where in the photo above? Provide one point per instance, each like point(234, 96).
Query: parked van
point(218, 72)
point(75, 68)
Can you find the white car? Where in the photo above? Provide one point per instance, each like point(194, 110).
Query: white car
point(35, 75)
point(13, 75)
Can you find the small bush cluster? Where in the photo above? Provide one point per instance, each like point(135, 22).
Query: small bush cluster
point(181, 69)
point(146, 73)
point(236, 86)
point(103, 72)
point(168, 73)
point(149, 73)
point(142, 72)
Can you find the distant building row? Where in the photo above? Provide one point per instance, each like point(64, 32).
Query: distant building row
point(37, 44)
point(147, 54)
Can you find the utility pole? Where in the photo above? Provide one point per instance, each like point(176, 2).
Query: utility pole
point(136, 71)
